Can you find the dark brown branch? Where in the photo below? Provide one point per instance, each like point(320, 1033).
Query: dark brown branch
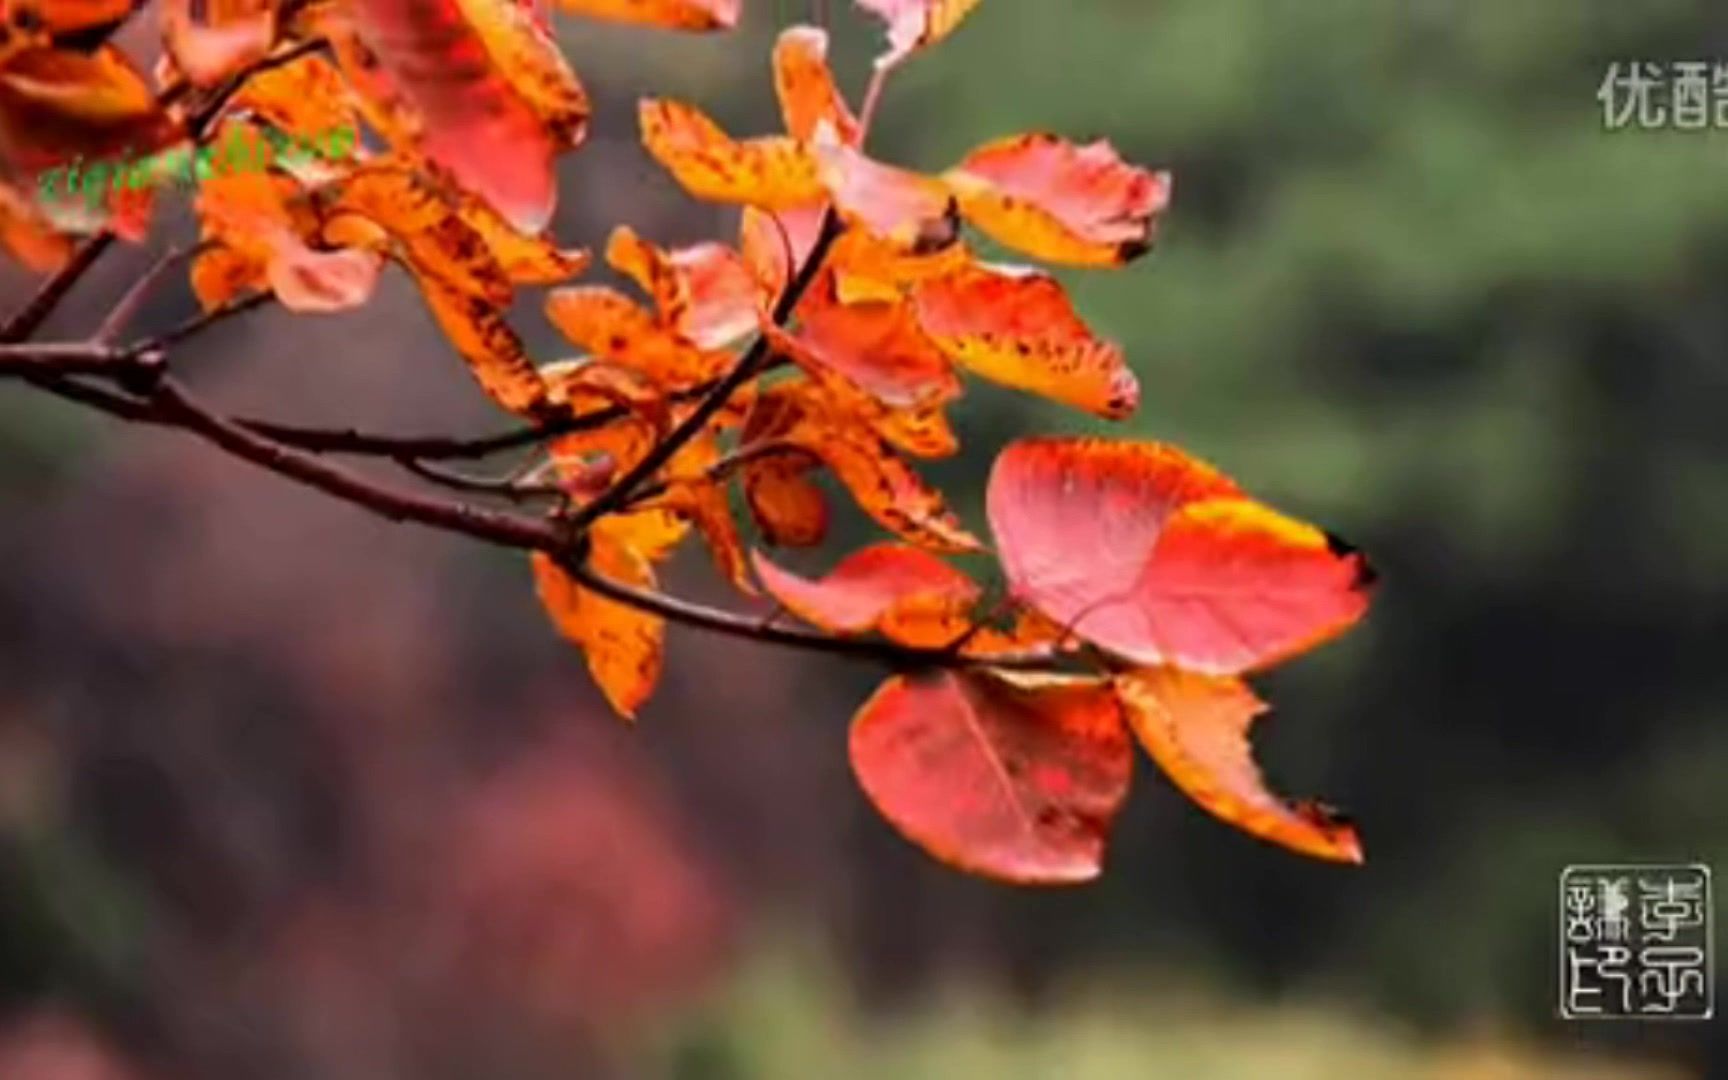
point(509, 486)
point(33, 314)
point(173, 403)
point(128, 305)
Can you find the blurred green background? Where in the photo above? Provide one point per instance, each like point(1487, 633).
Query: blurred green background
point(264, 762)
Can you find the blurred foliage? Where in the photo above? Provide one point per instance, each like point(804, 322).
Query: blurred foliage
point(788, 1016)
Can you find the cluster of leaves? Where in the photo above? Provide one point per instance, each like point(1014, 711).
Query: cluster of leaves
point(1142, 584)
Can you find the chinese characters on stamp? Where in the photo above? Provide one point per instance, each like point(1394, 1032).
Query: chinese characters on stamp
point(1685, 95)
point(1636, 942)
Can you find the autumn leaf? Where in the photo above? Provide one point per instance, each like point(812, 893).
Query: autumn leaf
point(1015, 779)
point(672, 14)
point(883, 485)
point(610, 325)
point(704, 292)
point(28, 236)
point(784, 500)
point(1062, 203)
point(915, 24)
point(877, 347)
point(805, 86)
point(57, 105)
point(64, 16)
point(1159, 558)
point(911, 212)
point(305, 97)
point(773, 172)
point(473, 121)
point(1196, 728)
point(215, 39)
point(775, 243)
point(477, 330)
point(249, 214)
point(523, 49)
point(624, 647)
point(1016, 327)
point(907, 594)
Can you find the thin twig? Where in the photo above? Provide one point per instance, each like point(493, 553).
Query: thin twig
point(508, 486)
point(133, 299)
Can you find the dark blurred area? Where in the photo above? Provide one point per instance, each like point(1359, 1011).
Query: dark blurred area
point(287, 791)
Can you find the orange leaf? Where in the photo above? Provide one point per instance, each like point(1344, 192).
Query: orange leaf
point(213, 40)
point(221, 275)
point(673, 14)
point(911, 212)
point(1159, 558)
point(1196, 729)
point(306, 97)
point(907, 594)
point(914, 24)
point(526, 259)
point(476, 328)
point(56, 105)
point(774, 172)
point(624, 647)
point(805, 86)
point(27, 236)
point(64, 16)
point(1018, 780)
point(695, 492)
point(475, 124)
point(521, 46)
point(866, 268)
point(1060, 202)
point(787, 505)
point(612, 326)
point(249, 212)
point(424, 220)
point(1016, 327)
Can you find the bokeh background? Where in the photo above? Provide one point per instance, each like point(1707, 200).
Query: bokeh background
point(289, 792)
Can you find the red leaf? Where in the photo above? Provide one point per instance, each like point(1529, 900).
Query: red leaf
point(1161, 559)
point(1196, 729)
point(476, 124)
point(1016, 780)
point(1060, 202)
point(908, 594)
point(910, 211)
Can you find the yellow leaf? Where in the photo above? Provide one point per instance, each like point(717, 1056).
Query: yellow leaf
point(772, 172)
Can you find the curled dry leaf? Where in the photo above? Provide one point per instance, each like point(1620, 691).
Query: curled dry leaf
point(215, 39)
point(1062, 203)
point(1016, 327)
point(1159, 558)
point(473, 121)
point(915, 24)
point(805, 86)
point(774, 172)
point(672, 14)
point(907, 594)
point(1196, 728)
point(624, 647)
point(785, 502)
point(1015, 779)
